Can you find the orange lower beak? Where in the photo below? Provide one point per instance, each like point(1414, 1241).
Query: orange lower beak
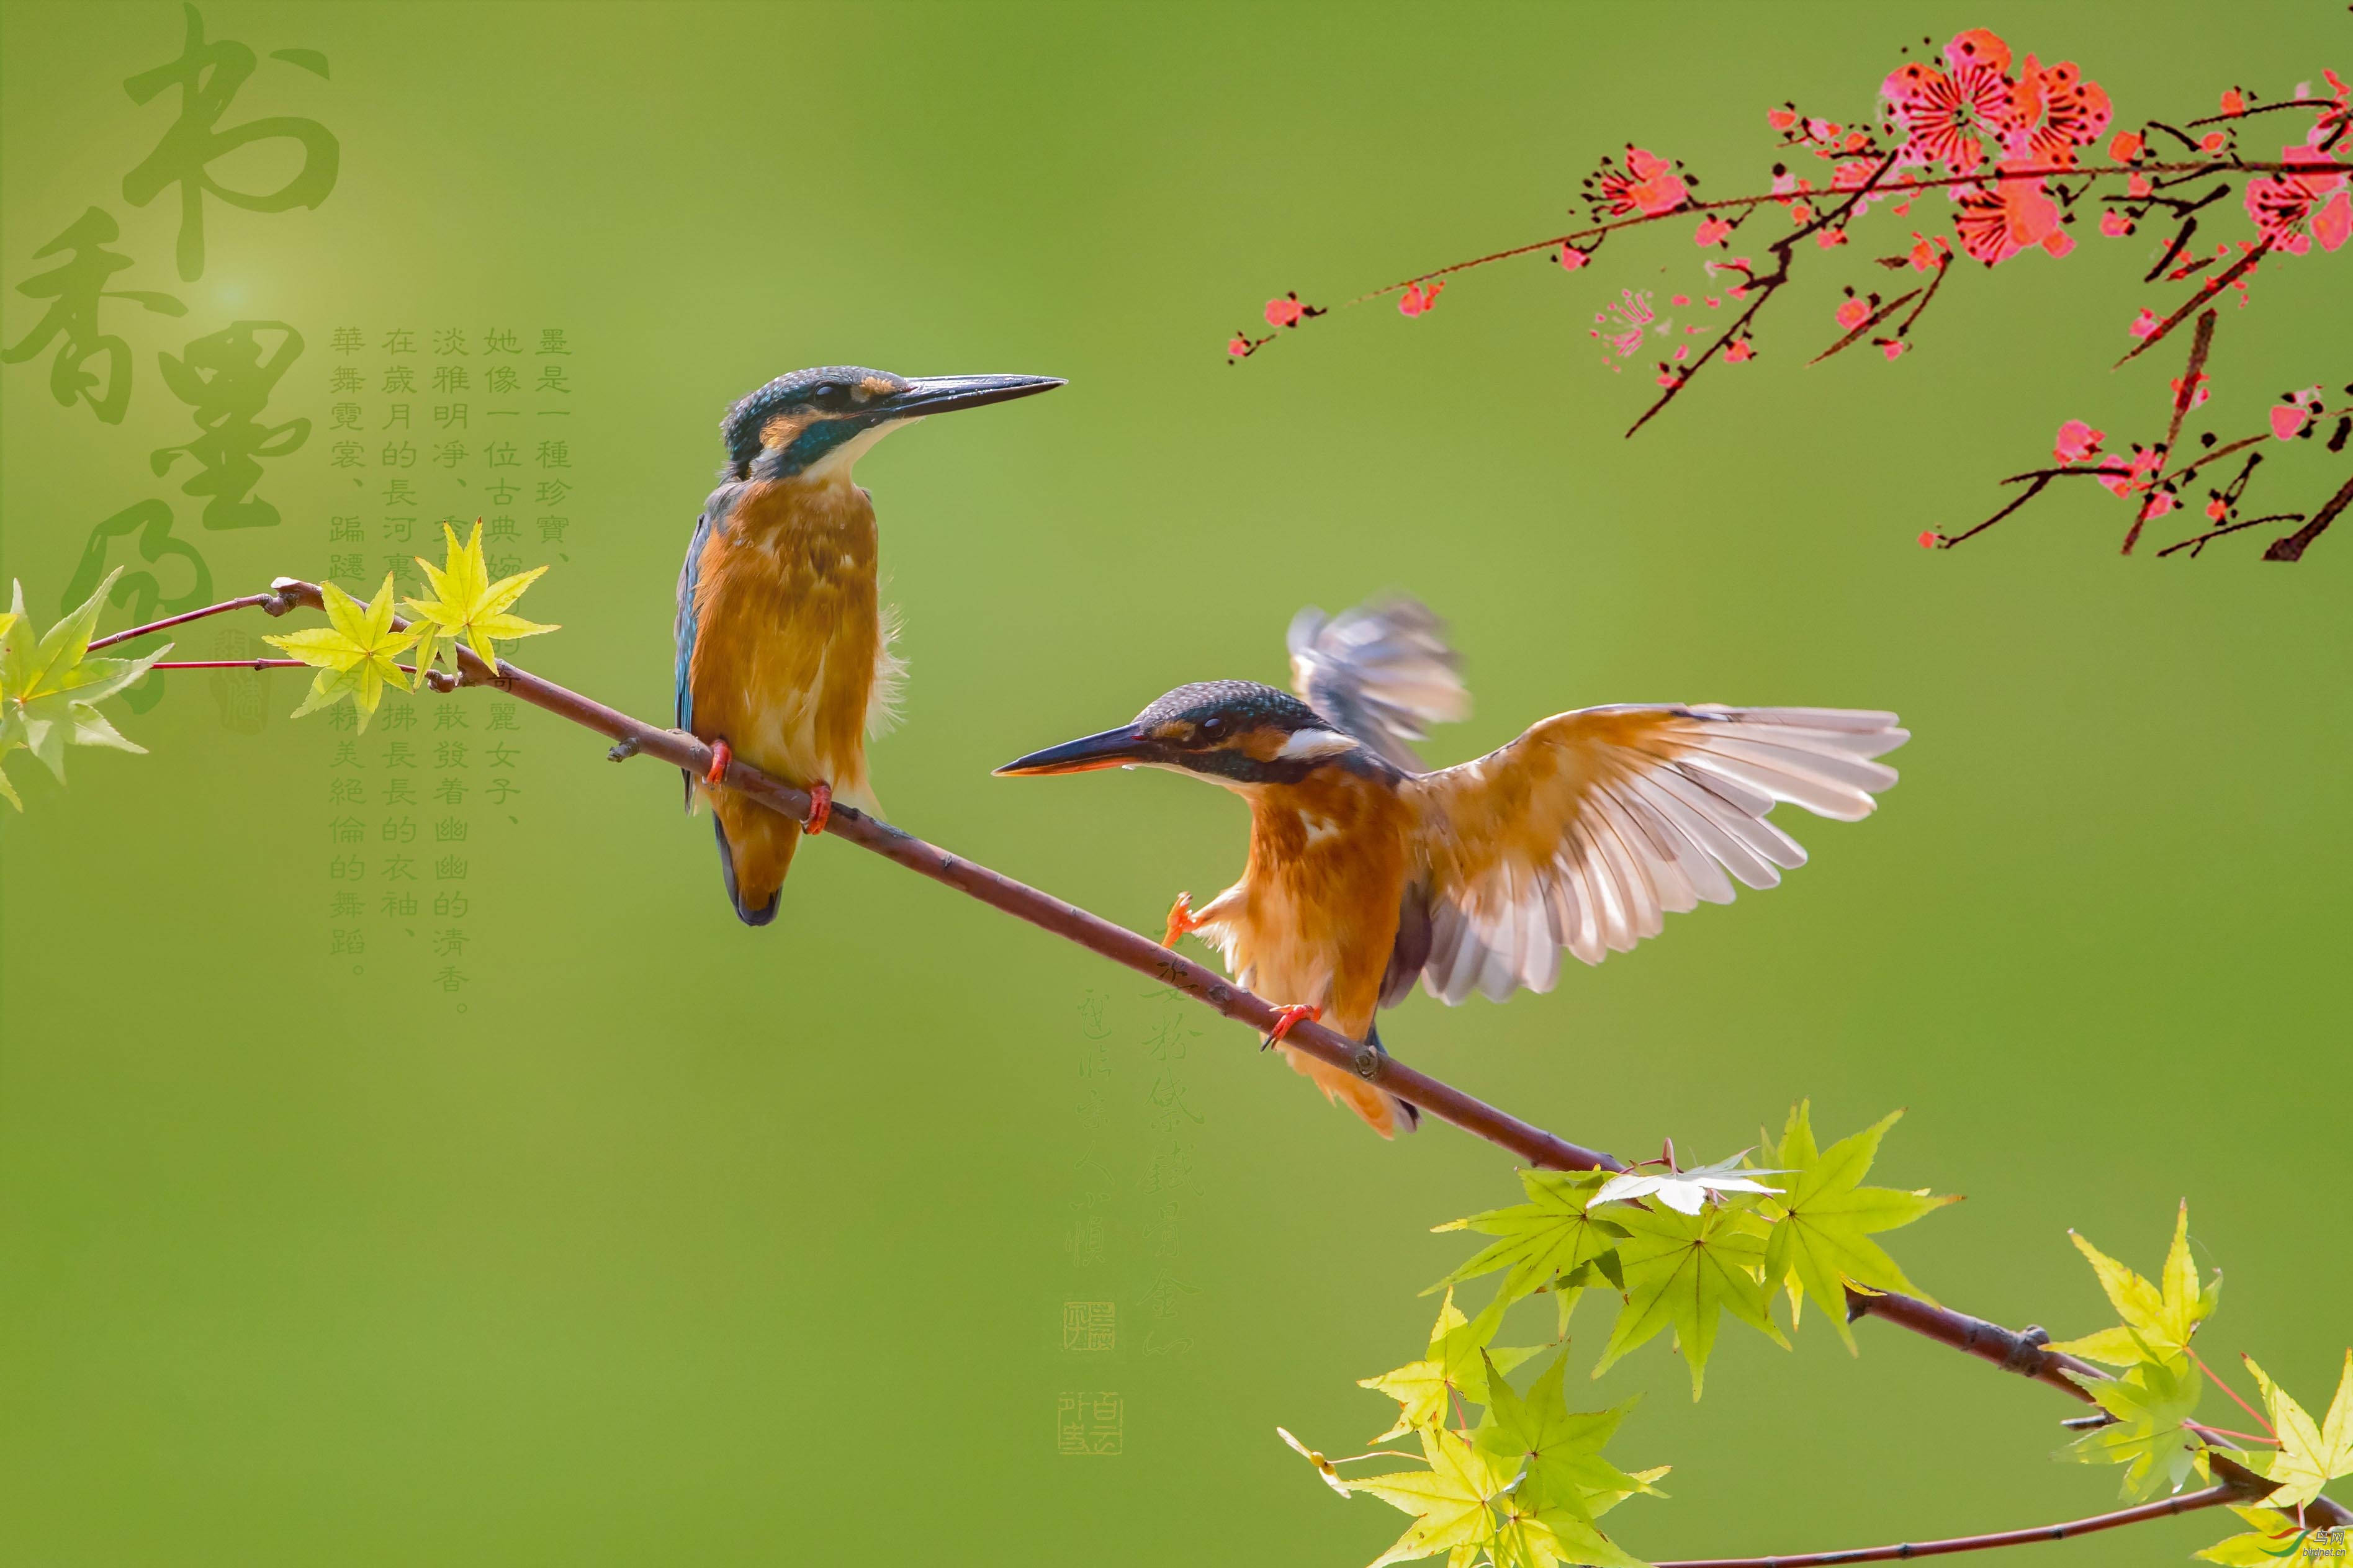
point(1122, 747)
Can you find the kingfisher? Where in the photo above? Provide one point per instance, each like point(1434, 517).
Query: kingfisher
point(1366, 872)
point(784, 654)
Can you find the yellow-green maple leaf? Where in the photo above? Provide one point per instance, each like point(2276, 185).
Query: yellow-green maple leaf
point(1455, 1367)
point(1824, 1218)
point(1451, 1501)
point(2275, 1541)
point(2150, 1401)
point(2163, 1319)
point(50, 686)
point(1554, 1451)
point(1684, 1270)
point(2311, 1454)
point(1539, 1241)
point(355, 655)
point(466, 607)
point(1529, 1537)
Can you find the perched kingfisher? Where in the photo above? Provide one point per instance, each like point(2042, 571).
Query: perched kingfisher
point(784, 655)
point(1366, 871)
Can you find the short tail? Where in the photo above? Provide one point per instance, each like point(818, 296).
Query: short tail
point(755, 851)
point(1382, 1111)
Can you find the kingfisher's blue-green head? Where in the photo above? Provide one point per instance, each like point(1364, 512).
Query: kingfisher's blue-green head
point(817, 422)
point(1233, 732)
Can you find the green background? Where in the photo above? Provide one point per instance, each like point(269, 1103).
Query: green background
point(686, 1242)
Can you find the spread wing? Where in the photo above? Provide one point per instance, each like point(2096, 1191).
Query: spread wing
point(682, 629)
point(1381, 672)
point(1583, 832)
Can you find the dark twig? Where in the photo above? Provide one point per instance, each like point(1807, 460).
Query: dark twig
point(2041, 477)
point(2197, 544)
point(2293, 546)
point(2183, 396)
point(1766, 287)
point(1865, 325)
point(2238, 269)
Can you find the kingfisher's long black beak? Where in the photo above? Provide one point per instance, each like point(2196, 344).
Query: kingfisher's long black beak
point(931, 394)
point(1113, 747)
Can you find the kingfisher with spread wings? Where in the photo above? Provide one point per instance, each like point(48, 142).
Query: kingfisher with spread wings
point(1365, 872)
point(784, 654)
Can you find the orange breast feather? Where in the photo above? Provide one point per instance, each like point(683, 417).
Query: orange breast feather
point(789, 632)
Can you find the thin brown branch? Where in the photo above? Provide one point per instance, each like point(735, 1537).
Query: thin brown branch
point(2293, 546)
point(2197, 543)
point(1587, 237)
point(251, 602)
point(1865, 325)
point(2022, 1352)
point(2212, 285)
point(2041, 478)
point(1767, 286)
point(2268, 109)
point(2183, 396)
point(231, 664)
point(2025, 1351)
point(2228, 1491)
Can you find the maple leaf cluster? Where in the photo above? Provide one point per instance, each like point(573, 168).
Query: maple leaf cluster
point(1681, 1248)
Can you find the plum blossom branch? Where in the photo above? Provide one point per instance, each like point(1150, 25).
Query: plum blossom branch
point(2005, 139)
point(2145, 475)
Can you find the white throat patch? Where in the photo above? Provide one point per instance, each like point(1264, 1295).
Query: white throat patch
point(1304, 744)
point(837, 463)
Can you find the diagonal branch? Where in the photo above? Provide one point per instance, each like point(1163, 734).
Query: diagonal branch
point(2187, 394)
point(1064, 919)
point(2245, 1486)
point(2293, 546)
point(1532, 1144)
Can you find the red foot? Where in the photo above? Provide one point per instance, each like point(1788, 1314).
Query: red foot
point(1180, 920)
point(1287, 1018)
point(721, 755)
point(821, 808)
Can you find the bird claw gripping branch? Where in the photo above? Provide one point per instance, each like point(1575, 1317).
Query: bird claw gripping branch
point(1181, 920)
point(1288, 1018)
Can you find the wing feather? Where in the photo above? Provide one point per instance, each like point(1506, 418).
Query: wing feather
point(1382, 672)
point(682, 629)
point(1588, 830)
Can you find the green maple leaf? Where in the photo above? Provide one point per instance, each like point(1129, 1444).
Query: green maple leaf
point(50, 686)
point(1556, 1452)
point(2274, 1540)
point(356, 656)
point(2150, 1401)
point(1549, 1237)
point(1451, 1502)
point(1682, 1270)
point(1542, 1538)
point(2311, 1454)
point(466, 607)
point(1824, 1219)
point(2159, 1319)
point(1456, 1366)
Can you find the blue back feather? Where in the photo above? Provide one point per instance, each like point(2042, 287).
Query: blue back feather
point(683, 630)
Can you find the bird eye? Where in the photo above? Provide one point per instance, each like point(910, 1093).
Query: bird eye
point(1211, 727)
